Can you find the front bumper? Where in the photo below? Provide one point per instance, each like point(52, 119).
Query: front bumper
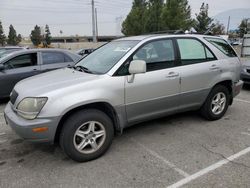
point(24, 127)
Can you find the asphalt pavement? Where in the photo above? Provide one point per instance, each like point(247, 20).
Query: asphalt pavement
point(183, 150)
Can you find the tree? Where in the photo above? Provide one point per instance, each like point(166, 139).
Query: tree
point(203, 21)
point(153, 16)
point(243, 27)
point(176, 15)
point(12, 37)
point(217, 29)
point(2, 36)
point(134, 24)
point(47, 35)
point(36, 36)
point(19, 38)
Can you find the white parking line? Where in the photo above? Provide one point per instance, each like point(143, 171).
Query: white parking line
point(245, 133)
point(3, 141)
point(3, 133)
point(171, 165)
point(240, 100)
point(209, 169)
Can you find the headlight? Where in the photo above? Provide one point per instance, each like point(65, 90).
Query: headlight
point(30, 107)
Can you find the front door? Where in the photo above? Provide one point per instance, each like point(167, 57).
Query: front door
point(155, 92)
point(16, 69)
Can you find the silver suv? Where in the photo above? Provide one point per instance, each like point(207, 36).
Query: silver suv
point(122, 83)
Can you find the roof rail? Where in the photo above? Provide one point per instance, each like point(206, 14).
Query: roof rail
point(180, 31)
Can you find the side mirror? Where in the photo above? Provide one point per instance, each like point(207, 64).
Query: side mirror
point(137, 67)
point(1, 67)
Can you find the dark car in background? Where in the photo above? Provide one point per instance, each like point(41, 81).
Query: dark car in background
point(245, 73)
point(84, 52)
point(25, 63)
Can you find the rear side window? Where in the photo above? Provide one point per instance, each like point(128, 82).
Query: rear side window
point(222, 45)
point(21, 61)
point(55, 57)
point(193, 51)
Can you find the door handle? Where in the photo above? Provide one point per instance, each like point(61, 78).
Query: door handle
point(172, 75)
point(214, 67)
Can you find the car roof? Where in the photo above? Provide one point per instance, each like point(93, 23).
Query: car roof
point(76, 57)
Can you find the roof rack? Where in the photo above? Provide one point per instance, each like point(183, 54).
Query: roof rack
point(180, 31)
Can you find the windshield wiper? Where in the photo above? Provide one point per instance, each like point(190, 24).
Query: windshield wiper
point(83, 69)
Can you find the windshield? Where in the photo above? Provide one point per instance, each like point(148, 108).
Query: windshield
point(104, 58)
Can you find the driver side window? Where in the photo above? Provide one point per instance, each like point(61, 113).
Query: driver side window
point(157, 55)
point(21, 61)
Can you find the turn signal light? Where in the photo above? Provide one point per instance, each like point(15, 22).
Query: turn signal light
point(40, 129)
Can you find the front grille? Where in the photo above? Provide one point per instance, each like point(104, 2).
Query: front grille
point(248, 70)
point(13, 97)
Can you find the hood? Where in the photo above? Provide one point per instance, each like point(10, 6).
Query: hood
point(54, 80)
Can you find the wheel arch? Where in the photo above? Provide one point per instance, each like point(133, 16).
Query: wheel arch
point(105, 107)
point(229, 85)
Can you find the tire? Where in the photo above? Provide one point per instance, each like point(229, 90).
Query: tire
point(81, 138)
point(208, 109)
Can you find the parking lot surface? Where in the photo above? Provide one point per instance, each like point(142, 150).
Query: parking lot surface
point(183, 150)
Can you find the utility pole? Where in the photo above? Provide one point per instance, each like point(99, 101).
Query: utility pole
point(93, 20)
point(96, 25)
point(228, 23)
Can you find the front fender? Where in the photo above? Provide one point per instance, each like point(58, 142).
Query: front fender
point(111, 91)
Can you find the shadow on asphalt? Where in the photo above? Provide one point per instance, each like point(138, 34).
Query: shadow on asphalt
point(170, 120)
point(4, 101)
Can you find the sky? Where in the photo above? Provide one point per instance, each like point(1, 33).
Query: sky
point(73, 17)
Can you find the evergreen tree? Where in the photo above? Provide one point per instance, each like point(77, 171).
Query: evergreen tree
point(47, 35)
point(134, 24)
point(217, 28)
point(2, 36)
point(36, 36)
point(153, 18)
point(203, 21)
point(12, 37)
point(176, 15)
point(243, 27)
point(19, 38)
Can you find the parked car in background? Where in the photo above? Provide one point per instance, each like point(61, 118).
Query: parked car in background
point(25, 63)
point(245, 72)
point(84, 52)
point(9, 49)
point(122, 83)
point(245, 58)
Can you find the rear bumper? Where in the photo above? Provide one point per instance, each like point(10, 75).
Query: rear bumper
point(237, 87)
point(24, 128)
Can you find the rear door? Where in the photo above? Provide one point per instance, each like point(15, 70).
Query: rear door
point(16, 69)
point(54, 60)
point(198, 68)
